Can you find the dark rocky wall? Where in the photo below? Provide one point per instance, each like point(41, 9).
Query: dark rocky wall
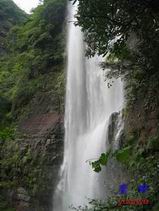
point(46, 156)
point(31, 162)
point(142, 117)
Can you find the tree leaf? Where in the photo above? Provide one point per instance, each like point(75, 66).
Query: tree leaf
point(96, 166)
point(124, 154)
point(104, 159)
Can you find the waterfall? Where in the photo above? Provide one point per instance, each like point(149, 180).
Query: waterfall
point(89, 105)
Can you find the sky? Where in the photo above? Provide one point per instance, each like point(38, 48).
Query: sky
point(26, 5)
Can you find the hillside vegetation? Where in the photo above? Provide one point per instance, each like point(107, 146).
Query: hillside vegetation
point(10, 15)
point(35, 50)
point(31, 80)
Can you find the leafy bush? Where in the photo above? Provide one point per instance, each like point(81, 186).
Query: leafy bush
point(35, 49)
point(143, 165)
point(7, 134)
point(4, 206)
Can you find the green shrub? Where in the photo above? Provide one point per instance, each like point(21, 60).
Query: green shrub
point(7, 133)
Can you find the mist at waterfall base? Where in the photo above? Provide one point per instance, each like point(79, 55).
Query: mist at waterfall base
point(88, 107)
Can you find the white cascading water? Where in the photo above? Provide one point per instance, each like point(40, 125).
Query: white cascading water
point(89, 104)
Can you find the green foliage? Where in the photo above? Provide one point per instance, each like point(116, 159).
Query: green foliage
point(96, 165)
point(102, 161)
point(35, 50)
point(143, 164)
point(123, 155)
point(17, 164)
point(144, 168)
point(7, 134)
point(110, 26)
point(4, 206)
point(10, 15)
point(153, 144)
point(5, 106)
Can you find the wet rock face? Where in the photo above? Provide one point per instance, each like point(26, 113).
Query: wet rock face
point(115, 131)
point(22, 199)
point(33, 159)
point(113, 121)
point(40, 149)
point(115, 172)
point(32, 162)
point(46, 153)
point(142, 118)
